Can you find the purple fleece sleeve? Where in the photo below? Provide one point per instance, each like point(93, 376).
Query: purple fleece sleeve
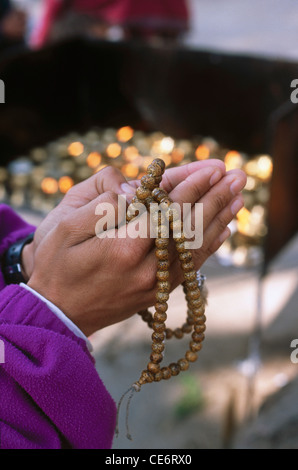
point(50, 393)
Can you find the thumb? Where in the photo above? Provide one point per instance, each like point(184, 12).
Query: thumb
point(103, 213)
point(107, 179)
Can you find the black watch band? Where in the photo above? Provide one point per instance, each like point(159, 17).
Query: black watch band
point(11, 262)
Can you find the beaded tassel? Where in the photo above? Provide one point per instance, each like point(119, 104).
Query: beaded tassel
point(149, 192)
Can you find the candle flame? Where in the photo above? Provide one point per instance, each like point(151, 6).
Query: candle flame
point(49, 185)
point(124, 133)
point(265, 167)
point(113, 150)
point(130, 170)
point(93, 159)
point(177, 155)
point(202, 152)
point(243, 220)
point(233, 159)
point(65, 183)
point(131, 153)
point(75, 149)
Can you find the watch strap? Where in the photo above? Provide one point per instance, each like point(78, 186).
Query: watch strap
point(11, 262)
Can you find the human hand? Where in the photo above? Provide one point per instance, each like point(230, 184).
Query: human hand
point(108, 179)
point(98, 282)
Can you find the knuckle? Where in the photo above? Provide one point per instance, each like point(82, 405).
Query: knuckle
point(111, 197)
point(221, 224)
point(110, 172)
point(219, 201)
point(66, 227)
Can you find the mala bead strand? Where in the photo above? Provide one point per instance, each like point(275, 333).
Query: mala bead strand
point(166, 216)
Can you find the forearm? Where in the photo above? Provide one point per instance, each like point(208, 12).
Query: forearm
point(46, 361)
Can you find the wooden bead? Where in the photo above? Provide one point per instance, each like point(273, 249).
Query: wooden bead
point(178, 333)
point(130, 217)
point(141, 381)
point(156, 216)
point(190, 276)
point(158, 326)
point(186, 256)
point(198, 337)
point(169, 333)
point(183, 364)
point(160, 317)
point(132, 210)
point(147, 376)
point(191, 285)
point(200, 328)
point(143, 193)
point(177, 227)
point(158, 376)
point(162, 275)
point(174, 368)
point(161, 307)
point(156, 358)
point(159, 194)
point(146, 315)
point(169, 215)
point(160, 162)
point(165, 203)
point(148, 201)
point(135, 200)
point(180, 238)
point(166, 373)
point(198, 311)
point(162, 296)
point(186, 328)
point(191, 356)
point(195, 303)
point(190, 320)
point(189, 266)
point(154, 170)
point(163, 286)
point(157, 347)
point(173, 213)
point(158, 337)
point(161, 243)
point(153, 368)
point(162, 231)
point(161, 254)
point(158, 180)
point(163, 265)
point(194, 294)
point(200, 320)
point(194, 347)
point(148, 181)
point(180, 247)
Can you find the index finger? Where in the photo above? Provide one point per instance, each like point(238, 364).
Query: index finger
point(174, 176)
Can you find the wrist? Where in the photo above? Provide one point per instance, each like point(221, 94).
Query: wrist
point(27, 261)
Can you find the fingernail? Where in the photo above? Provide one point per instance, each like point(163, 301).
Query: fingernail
point(236, 206)
point(236, 186)
point(224, 235)
point(126, 188)
point(215, 177)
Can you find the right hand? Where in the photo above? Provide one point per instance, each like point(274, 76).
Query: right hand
point(98, 282)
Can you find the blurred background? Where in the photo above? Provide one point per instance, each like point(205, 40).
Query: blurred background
point(95, 83)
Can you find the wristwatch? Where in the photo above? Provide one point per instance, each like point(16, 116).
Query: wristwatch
point(11, 261)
